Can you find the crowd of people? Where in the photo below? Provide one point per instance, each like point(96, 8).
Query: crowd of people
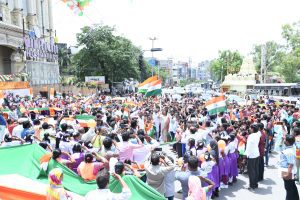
point(134, 136)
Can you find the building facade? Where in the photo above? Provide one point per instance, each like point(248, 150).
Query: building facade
point(167, 67)
point(203, 72)
point(27, 40)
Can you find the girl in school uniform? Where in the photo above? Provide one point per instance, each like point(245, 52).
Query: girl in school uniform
point(226, 165)
point(231, 149)
point(214, 152)
point(207, 168)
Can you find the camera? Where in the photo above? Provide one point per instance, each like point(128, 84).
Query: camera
point(158, 150)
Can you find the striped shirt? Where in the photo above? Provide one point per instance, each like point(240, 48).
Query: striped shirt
point(288, 157)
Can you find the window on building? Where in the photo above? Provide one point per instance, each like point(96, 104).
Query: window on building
point(285, 92)
point(295, 91)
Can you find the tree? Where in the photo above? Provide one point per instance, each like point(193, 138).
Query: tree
point(274, 55)
point(227, 62)
point(143, 68)
point(291, 33)
point(163, 74)
point(290, 65)
point(64, 59)
point(104, 53)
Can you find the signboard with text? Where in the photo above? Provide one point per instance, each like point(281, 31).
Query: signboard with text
point(97, 79)
point(38, 48)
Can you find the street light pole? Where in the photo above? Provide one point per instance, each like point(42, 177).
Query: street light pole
point(152, 39)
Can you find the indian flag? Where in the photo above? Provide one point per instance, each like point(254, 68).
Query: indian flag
point(86, 120)
point(154, 89)
point(143, 87)
point(216, 105)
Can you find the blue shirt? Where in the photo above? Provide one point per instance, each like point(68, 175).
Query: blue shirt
point(2, 121)
point(183, 177)
point(26, 132)
point(287, 157)
point(290, 119)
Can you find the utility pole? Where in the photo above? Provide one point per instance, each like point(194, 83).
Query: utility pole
point(263, 69)
point(152, 57)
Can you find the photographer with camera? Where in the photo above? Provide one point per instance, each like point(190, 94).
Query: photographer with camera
point(156, 167)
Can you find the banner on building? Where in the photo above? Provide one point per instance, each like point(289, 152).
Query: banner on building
point(39, 48)
point(97, 79)
point(10, 77)
point(14, 85)
point(20, 92)
point(24, 92)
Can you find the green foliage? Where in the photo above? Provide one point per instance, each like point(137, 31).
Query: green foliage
point(291, 33)
point(227, 62)
point(290, 65)
point(64, 60)
point(274, 55)
point(164, 75)
point(104, 53)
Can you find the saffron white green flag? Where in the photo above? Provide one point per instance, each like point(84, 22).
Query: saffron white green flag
point(154, 89)
point(216, 105)
point(143, 87)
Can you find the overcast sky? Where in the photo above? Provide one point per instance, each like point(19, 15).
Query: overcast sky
point(184, 28)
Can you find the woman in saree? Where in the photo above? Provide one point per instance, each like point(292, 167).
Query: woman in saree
point(56, 191)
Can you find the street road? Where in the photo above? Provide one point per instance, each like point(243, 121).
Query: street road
point(271, 188)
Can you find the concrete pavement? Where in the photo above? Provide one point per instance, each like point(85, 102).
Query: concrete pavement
point(271, 188)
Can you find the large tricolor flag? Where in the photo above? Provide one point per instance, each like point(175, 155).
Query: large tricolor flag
point(154, 89)
point(143, 87)
point(216, 105)
point(86, 120)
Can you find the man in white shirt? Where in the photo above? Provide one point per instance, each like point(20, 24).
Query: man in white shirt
point(13, 113)
point(173, 126)
point(141, 121)
point(19, 128)
point(156, 120)
point(89, 135)
point(191, 133)
point(252, 153)
point(283, 114)
point(103, 192)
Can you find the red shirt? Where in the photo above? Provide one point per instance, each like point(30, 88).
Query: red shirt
point(262, 143)
point(11, 127)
